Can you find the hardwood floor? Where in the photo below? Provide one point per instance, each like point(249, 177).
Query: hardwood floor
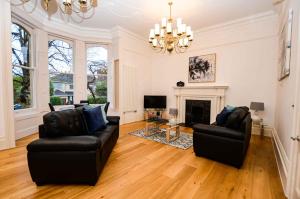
point(138, 168)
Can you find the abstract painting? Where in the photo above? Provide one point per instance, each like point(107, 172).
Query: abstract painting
point(285, 45)
point(202, 68)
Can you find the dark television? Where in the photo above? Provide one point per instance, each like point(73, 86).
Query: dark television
point(155, 102)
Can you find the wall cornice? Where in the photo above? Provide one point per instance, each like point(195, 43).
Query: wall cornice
point(269, 15)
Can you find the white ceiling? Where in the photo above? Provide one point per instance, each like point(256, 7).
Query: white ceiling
point(140, 15)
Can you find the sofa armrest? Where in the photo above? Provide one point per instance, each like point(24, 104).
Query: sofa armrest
point(66, 143)
point(113, 120)
point(218, 131)
point(42, 131)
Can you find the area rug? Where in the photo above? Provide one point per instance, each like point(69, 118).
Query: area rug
point(185, 140)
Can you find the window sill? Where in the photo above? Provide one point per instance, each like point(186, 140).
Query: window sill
point(26, 114)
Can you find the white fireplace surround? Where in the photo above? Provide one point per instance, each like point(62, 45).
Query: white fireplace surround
point(215, 94)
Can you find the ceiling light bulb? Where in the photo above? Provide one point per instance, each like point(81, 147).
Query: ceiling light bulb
point(179, 30)
point(162, 33)
point(174, 33)
point(164, 22)
point(188, 31)
point(191, 38)
point(154, 42)
point(151, 35)
point(156, 29)
point(183, 28)
point(179, 22)
point(169, 28)
point(186, 42)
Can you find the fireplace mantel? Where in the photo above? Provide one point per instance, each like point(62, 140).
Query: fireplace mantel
point(216, 94)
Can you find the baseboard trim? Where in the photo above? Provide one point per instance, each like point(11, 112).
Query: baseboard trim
point(26, 132)
point(267, 131)
point(281, 159)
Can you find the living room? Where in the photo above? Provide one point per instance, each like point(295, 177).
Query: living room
point(168, 99)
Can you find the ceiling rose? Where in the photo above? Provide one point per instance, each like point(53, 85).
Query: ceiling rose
point(170, 36)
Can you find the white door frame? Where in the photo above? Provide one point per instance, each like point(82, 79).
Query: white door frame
point(291, 184)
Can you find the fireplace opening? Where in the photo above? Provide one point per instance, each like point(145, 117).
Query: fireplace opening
point(197, 111)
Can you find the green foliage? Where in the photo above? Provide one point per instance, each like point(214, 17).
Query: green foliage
point(55, 101)
point(101, 88)
point(98, 100)
point(51, 88)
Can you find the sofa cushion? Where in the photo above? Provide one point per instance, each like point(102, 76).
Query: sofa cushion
point(64, 123)
point(235, 119)
point(94, 119)
point(218, 131)
point(67, 143)
point(222, 117)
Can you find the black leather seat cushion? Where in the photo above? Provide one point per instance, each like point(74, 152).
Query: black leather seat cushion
point(218, 131)
point(68, 143)
point(65, 123)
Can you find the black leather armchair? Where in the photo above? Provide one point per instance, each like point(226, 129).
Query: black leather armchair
point(66, 153)
point(223, 144)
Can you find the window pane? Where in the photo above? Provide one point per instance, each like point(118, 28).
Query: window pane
point(60, 65)
point(22, 77)
point(97, 75)
point(20, 45)
point(22, 88)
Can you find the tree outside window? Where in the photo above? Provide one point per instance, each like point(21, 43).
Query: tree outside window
point(60, 65)
point(21, 67)
point(97, 74)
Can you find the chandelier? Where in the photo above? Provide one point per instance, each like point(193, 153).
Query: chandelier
point(171, 36)
point(84, 9)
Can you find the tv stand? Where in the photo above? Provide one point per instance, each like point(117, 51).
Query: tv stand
point(154, 114)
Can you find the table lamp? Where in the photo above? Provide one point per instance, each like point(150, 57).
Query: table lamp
point(173, 112)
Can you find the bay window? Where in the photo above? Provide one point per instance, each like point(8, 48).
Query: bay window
point(22, 66)
point(60, 65)
point(97, 73)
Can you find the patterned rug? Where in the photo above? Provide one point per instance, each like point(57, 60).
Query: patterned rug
point(185, 140)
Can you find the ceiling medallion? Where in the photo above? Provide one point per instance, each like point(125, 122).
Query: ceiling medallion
point(170, 36)
point(83, 9)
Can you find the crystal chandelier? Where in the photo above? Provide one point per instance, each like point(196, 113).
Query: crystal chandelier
point(84, 9)
point(170, 36)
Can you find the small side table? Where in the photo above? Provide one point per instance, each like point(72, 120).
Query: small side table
point(259, 125)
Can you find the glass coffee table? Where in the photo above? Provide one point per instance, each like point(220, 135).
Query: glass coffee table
point(161, 125)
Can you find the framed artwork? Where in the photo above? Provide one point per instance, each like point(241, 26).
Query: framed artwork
point(202, 68)
point(285, 45)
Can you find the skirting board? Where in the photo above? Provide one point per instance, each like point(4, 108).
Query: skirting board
point(26, 132)
point(267, 131)
point(281, 159)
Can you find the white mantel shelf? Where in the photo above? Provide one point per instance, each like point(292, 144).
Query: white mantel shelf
point(201, 87)
point(213, 93)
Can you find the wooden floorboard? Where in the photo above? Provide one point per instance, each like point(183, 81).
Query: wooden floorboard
point(138, 168)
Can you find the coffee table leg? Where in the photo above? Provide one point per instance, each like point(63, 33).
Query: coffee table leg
point(177, 131)
point(168, 134)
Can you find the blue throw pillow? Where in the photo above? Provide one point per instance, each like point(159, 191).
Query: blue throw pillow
point(94, 119)
point(223, 116)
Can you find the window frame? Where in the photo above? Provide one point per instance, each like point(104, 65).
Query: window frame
point(71, 42)
point(32, 68)
point(97, 44)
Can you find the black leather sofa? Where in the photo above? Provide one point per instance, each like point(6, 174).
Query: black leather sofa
point(66, 154)
point(223, 144)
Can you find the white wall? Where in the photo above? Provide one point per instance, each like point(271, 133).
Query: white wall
point(6, 94)
point(133, 53)
point(285, 113)
point(246, 52)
